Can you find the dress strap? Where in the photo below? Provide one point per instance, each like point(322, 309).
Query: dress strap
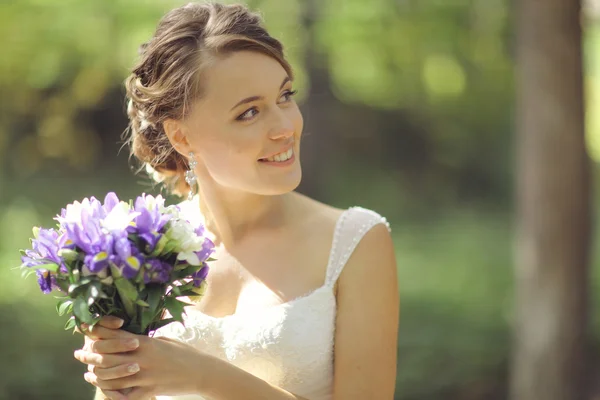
point(350, 228)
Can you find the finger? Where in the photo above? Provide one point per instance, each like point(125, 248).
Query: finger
point(112, 384)
point(113, 395)
point(99, 332)
point(120, 371)
point(99, 360)
point(111, 322)
point(86, 343)
point(83, 329)
point(111, 346)
point(140, 393)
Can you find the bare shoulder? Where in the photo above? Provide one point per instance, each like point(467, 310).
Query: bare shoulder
point(316, 214)
point(374, 258)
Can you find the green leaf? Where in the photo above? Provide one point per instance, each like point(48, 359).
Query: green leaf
point(69, 255)
point(115, 272)
point(63, 284)
point(70, 324)
point(175, 307)
point(85, 281)
point(75, 289)
point(142, 303)
point(128, 295)
point(153, 297)
point(187, 272)
point(191, 293)
point(170, 246)
point(26, 272)
point(126, 288)
point(180, 266)
point(175, 290)
point(160, 246)
point(162, 322)
point(93, 292)
point(52, 267)
point(64, 306)
point(81, 310)
point(187, 286)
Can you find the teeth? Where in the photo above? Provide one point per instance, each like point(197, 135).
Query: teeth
point(281, 156)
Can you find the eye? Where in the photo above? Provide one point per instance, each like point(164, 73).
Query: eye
point(288, 94)
point(248, 114)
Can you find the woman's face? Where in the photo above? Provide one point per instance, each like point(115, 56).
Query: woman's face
point(245, 131)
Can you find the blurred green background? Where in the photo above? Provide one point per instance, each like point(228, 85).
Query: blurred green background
point(408, 109)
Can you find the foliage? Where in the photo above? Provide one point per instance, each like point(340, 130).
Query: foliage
point(445, 66)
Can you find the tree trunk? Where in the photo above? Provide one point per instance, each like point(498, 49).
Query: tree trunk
point(553, 205)
point(317, 136)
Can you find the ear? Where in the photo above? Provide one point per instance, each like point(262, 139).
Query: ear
point(175, 131)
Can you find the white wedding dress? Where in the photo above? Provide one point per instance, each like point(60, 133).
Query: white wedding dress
point(289, 345)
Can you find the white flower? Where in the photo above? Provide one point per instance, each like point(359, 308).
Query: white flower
point(119, 218)
point(73, 213)
point(151, 202)
point(187, 242)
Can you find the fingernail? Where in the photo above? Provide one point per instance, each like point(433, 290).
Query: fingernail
point(133, 368)
point(76, 353)
point(133, 343)
point(120, 322)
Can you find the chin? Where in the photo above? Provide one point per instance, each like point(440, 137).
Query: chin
point(287, 185)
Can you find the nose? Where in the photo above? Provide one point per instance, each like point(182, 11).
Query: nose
point(282, 126)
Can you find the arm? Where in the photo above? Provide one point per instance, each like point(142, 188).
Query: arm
point(367, 321)
point(366, 333)
point(100, 396)
point(218, 386)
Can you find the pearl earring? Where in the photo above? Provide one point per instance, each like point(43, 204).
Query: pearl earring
point(190, 175)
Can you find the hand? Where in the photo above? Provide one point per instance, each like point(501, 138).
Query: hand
point(163, 364)
point(92, 344)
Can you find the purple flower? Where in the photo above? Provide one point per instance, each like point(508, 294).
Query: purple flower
point(157, 271)
point(149, 222)
point(45, 280)
point(94, 227)
point(110, 201)
point(200, 229)
point(127, 257)
point(200, 276)
point(45, 249)
point(98, 244)
point(208, 247)
point(154, 218)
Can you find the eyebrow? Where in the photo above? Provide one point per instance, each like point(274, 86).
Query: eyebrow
point(255, 98)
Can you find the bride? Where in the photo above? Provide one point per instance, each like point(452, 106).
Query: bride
point(302, 302)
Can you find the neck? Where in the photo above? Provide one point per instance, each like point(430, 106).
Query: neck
point(230, 214)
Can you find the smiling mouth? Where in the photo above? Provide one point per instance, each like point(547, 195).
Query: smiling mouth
point(280, 157)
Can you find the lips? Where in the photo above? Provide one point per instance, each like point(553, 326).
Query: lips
point(281, 155)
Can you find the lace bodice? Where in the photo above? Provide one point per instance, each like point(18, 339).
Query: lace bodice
point(289, 345)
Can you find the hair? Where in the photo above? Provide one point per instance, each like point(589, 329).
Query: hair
point(167, 77)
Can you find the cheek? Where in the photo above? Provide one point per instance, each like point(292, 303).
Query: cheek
point(229, 151)
point(298, 120)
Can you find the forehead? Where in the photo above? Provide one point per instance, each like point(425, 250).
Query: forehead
point(241, 74)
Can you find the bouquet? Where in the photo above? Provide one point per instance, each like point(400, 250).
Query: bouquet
point(129, 260)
